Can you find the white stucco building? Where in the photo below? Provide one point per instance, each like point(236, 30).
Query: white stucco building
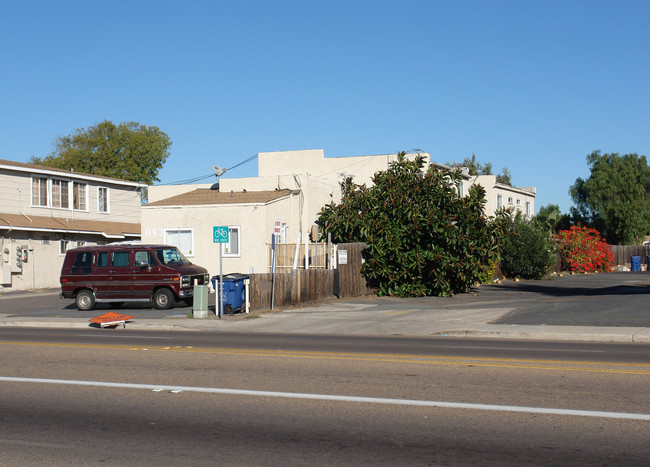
point(291, 187)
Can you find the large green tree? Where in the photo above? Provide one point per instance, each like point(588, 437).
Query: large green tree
point(128, 151)
point(615, 199)
point(421, 237)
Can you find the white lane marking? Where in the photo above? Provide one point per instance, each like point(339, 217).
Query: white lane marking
point(329, 397)
point(117, 336)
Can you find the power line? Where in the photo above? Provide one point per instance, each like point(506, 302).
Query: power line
point(204, 177)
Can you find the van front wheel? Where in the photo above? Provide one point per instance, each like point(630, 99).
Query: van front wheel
point(163, 299)
point(85, 300)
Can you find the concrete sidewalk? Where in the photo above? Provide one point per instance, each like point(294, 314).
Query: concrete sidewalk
point(468, 315)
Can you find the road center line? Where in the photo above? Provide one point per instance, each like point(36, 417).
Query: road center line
point(331, 397)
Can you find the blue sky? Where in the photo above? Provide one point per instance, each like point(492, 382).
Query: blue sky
point(534, 86)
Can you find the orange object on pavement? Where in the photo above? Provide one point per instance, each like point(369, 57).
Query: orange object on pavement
point(110, 318)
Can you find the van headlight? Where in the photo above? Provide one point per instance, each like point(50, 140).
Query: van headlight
point(185, 281)
point(206, 278)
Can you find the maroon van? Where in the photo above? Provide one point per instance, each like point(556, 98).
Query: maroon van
point(133, 272)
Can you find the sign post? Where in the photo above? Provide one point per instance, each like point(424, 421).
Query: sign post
point(277, 228)
point(220, 234)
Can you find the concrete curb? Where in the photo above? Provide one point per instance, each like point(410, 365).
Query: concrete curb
point(585, 334)
point(517, 332)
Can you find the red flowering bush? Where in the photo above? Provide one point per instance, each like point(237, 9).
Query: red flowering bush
point(584, 250)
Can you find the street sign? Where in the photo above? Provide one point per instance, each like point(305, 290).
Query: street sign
point(277, 226)
point(220, 234)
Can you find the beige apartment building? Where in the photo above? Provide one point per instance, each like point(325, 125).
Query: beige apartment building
point(289, 192)
point(45, 211)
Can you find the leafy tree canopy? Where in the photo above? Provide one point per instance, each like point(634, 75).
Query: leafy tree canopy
point(615, 199)
point(128, 151)
point(421, 237)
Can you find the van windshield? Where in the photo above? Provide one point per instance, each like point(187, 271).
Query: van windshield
point(170, 256)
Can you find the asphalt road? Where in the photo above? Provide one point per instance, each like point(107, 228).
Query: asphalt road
point(616, 299)
point(147, 398)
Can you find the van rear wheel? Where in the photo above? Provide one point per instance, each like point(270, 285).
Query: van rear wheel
point(85, 300)
point(163, 299)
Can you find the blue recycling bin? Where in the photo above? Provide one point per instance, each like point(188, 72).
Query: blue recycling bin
point(636, 263)
point(234, 293)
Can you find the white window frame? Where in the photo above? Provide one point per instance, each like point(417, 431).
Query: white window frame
point(61, 181)
point(85, 196)
point(499, 201)
point(64, 246)
point(226, 248)
point(510, 200)
point(528, 208)
point(107, 200)
point(46, 188)
point(186, 250)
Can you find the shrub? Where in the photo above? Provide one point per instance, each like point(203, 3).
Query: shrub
point(583, 250)
point(528, 252)
point(421, 237)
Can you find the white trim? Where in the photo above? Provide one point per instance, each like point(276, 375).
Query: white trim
point(89, 232)
point(226, 254)
point(68, 182)
point(108, 199)
point(65, 245)
point(86, 197)
point(47, 192)
point(73, 175)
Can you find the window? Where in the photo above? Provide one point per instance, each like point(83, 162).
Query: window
point(82, 263)
point(232, 247)
point(518, 202)
point(102, 259)
point(170, 256)
point(499, 201)
point(120, 259)
point(182, 239)
point(528, 208)
point(510, 200)
point(144, 258)
point(102, 199)
point(81, 243)
point(39, 191)
point(79, 196)
point(60, 194)
point(64, 245)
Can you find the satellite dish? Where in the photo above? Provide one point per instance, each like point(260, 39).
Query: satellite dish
point(218, 171)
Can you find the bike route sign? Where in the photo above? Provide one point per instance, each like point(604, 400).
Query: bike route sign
point(220, 234)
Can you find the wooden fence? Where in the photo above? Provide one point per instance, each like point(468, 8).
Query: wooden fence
point(311, 285)
point(285, 255)
point(299, 286)
point(622, 253)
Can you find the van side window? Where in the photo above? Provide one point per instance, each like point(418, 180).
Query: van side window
point(144, 257)
point(102, 259)
point(82, 263)
point(120, 259)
